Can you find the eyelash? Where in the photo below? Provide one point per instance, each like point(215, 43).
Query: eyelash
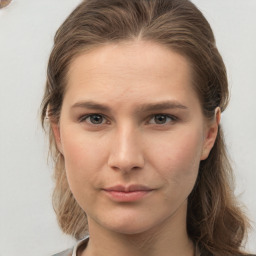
point(172, 118)
point(85, 117)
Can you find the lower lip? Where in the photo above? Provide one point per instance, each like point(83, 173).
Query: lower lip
point(132, 196)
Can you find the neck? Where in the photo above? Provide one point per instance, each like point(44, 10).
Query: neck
point(168, 238)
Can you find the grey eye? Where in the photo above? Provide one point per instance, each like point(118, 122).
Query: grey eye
point(162, 119)
point(96, 119)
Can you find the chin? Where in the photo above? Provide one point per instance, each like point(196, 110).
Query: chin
point(130, 229)
point(131, 225)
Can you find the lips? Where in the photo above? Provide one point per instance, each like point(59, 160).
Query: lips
point(130, 193)
point(127, 189)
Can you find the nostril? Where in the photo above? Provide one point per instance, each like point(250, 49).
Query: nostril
point(126, 154)
point(125, 168)
point(136, 168)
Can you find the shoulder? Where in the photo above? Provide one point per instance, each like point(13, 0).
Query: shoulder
point(64, 253)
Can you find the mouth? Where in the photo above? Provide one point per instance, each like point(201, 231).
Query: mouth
point(130, 193)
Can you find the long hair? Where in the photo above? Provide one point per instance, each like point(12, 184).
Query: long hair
point(215, 222)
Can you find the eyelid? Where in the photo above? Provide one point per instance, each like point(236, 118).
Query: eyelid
point(174, 118)
point(84, 117)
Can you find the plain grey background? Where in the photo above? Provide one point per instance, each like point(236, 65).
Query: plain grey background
point(27, 222)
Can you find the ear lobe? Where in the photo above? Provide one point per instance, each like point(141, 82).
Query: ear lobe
point(56, 132)
point(211, 134)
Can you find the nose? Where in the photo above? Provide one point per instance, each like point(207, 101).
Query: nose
point(126, 152)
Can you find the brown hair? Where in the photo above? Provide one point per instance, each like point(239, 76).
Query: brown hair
point(214, 220)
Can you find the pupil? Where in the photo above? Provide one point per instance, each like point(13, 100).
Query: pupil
point(160, 119)
point(96, 119)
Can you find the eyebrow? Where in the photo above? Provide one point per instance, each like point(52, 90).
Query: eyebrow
point(147, 107)
point(161, 105)
point(91, 105)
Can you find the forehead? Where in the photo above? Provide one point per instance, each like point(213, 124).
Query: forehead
point(128, 69)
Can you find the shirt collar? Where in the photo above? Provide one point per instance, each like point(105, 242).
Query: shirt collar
point(78, 244)
point(85, 240)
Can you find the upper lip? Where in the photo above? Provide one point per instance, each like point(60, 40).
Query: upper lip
point(130, 188)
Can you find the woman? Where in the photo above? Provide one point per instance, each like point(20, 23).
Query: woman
point(134, 95)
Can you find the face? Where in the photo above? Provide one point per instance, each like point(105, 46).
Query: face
point(132, 134)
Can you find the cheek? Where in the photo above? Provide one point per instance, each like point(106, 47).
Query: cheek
point(177, 156)
point(83, 155)
point(84, 159)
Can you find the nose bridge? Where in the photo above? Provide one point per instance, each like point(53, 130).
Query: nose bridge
point(126, 152)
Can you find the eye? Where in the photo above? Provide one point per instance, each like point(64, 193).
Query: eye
point(93, 119)
point(162, 119)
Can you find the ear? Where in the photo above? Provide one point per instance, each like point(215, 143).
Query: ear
point(56, 132)
point(211, 134)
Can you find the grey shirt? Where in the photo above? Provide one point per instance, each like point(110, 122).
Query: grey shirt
point(73, 252)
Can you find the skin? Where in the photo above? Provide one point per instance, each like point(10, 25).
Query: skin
point(149, 130)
